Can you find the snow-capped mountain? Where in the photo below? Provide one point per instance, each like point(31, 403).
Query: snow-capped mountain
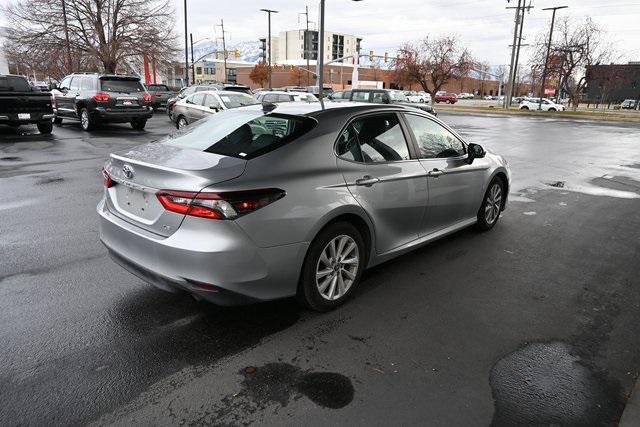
point(249, 51)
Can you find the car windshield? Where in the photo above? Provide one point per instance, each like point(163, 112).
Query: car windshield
point(397, 95)
point(308, 97)
point(120, 85)
point(243, 133)
point(158, 87)
point(14, 84)
point(235, 100)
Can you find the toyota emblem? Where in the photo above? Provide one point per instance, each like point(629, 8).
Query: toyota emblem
point(127, 171)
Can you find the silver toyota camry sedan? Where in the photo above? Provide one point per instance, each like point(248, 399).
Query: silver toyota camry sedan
point(266, 202)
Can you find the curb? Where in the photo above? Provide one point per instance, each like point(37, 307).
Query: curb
point(631, 413)
point(565, 115)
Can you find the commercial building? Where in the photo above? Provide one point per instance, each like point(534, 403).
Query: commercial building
point(613, 82)
point(296, 46)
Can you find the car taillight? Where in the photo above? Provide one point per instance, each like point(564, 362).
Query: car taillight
point(107, 182)
point(101, 97)
point(226, 205)
point(146, 97)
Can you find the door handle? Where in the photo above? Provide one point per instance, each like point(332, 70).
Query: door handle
point(367, 181)
point(436, 172)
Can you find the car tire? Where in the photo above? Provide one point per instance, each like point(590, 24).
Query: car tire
point(492, 204)
point(138, 124)
point(524, 108)
point(324, 293)
point(551, 109)
point(181, 122)
point(45, 128)
point(57, 121)
point(86, 122)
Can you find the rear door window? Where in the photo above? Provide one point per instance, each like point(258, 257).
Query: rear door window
point(120, 85)
point(75, 83)
point(374, 139)
point(245, 134)
point(197, 99)
point(86, 83)
point(360, 96)
point(14, 84)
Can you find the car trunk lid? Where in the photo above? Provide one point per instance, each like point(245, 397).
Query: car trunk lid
point(140, 173)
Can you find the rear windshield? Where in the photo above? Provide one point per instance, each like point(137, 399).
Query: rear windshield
point(245, 134)
point(14, 84)
point(120, 85)
point(235, 100)
point(158, 87)
point(241, 89)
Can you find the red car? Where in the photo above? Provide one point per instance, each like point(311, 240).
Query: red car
point(449, 98)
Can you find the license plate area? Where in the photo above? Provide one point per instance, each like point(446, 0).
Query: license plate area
point(24, 116)
point(126, 102)
point(136, 203)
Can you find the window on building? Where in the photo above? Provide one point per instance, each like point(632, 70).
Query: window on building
point(198, 70)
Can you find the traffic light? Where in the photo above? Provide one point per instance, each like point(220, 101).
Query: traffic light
point(370, 55)
point(226, 54)
point(263, 49)
point(236, 53)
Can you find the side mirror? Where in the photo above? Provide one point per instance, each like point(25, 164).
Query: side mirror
point(214, 108)
point(330, 97)
point(475, 152)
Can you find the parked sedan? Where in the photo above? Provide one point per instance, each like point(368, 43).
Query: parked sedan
point(285, 96)
point(256, 203)
point(414, 96)
point(202, 104)
point(160, 94)
point(534, 104)
point(449, 98)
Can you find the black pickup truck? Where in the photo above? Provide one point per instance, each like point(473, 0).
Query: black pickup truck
point(20, 104)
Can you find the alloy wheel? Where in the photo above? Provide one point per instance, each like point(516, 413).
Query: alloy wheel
point(337, 267)
point(493, 204)
point(84, 119)
point(182, 122)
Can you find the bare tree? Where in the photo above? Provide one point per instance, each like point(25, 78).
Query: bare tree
point(577, 46)
point(432, 63)
point(108, 35)
point(297, 76)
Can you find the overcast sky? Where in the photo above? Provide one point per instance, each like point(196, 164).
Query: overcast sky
point(484, 26)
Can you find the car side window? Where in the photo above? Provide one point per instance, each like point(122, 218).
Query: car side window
point(75, 83)
point(64, 84)
point(337, 95)
point(212, 101)
point(374, 139)
point(378, 97)
point(270, 97)
point(434, 141)
point(197, 99)
point(284, 98)
point(360, 96)
point(85, 83)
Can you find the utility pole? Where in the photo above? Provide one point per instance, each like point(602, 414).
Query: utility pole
point(186, 47)
point(307, 51)
point(269, 12)
point(321, 55)
point(66, 35)
point(546, 60)
point(507, 99)
point(515, 76)
point(224, 49)
point(193, 64)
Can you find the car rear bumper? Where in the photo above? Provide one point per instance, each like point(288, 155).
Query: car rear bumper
point(13, 119)
point(106, 115)
point(204, 251)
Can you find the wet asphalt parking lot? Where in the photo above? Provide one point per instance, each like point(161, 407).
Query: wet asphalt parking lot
point(535, 322)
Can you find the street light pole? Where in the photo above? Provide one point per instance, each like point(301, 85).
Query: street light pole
point(193, 64)
point(269, 12)
point(546, 60)
point(186, 47)
point(507, 99)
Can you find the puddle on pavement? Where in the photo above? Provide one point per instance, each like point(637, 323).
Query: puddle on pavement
point(11, 158)
point(546, 383)
point(49, 180)
point(279, 382)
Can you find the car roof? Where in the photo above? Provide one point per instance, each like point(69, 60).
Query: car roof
point(316, 109)
point(284, 92)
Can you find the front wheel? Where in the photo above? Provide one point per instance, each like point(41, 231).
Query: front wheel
point(489, 211)
point(138, 124)
point(332, 268)
point(181, 122)
point(551, 109)
point(45, 128)
point(524, 108)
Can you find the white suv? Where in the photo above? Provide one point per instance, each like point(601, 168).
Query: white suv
point(534, 104)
